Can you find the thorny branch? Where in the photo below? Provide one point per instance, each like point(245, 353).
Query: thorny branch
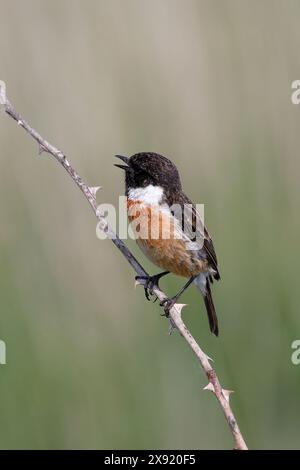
point(175, 317)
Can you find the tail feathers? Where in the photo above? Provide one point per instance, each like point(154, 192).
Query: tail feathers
point(203, 284)
point(211, 311)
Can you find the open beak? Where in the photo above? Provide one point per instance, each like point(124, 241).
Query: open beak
point(125, 160)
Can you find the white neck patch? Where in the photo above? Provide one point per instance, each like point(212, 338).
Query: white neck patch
point(149, 195)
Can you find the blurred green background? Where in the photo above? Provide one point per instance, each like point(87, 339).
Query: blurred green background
point(207, 83)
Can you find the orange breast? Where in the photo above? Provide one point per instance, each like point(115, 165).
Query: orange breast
point(159, 237)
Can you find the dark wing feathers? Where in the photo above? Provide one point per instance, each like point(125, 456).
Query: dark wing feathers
point(211, 254)
point(190, 227)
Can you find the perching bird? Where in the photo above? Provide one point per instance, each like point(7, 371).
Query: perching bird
point(167, 227)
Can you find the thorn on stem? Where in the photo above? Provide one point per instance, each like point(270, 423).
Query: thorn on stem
point(227, 394)
point(172, 326)
point(94, 190)
point(209, 358)
point(41, 149)
point(180, 307)
point(209, 387)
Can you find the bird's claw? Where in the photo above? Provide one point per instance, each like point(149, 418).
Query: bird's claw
point(167, 304)
point(149, 283)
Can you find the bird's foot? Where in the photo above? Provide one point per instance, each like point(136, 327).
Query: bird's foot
point(167, 304)
point(150, 282)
